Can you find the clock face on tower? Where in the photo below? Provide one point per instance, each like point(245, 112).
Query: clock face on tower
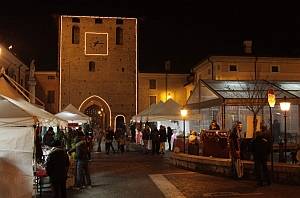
point(96, 43)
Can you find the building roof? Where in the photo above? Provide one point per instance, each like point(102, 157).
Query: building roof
point(209, 93)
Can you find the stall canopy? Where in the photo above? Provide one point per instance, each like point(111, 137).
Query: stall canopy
point(17, 120)
point(73, 115)
point(16, 111)
point(211, 93)
point(170, 110)
point(144, 115)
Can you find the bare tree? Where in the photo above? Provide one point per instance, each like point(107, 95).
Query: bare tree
point(252, 95)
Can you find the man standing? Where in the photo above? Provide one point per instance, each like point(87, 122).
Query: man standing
point(132, 131)
point(261, 150)
point(235, 150)
point(169, 135)
point(57, 165)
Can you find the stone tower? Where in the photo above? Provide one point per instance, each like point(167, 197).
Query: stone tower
point(98, 67)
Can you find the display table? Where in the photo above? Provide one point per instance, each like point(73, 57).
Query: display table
point(215, 143)
point(39, 175)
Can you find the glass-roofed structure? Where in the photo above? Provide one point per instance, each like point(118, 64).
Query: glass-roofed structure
point(229, 101)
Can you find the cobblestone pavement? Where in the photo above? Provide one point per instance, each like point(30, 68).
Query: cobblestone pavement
point(135, 175)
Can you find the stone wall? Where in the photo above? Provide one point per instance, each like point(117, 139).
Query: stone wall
point(283, 173)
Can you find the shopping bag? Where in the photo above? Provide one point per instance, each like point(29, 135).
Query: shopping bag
point(149, 145)
point(239, 168)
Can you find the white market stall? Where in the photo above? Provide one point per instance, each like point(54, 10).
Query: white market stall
point(73, 115)
point(17, 120)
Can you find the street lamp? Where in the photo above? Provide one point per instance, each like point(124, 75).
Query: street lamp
point(183, 113)
point(285, 106)
point(271, 101)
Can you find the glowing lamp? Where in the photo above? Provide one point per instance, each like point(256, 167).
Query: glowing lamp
point(285, 106)
point(271, 98)
point(183, 112)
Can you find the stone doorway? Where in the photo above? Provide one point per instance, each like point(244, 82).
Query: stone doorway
point(99, 111)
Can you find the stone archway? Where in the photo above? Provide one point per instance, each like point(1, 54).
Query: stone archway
point(98, 109)
point(119, 121)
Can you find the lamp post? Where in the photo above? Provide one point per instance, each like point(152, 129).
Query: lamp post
point(183, 113)
point(271, 101)
point(285, 106)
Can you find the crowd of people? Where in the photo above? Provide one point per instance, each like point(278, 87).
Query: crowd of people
point(78, 145)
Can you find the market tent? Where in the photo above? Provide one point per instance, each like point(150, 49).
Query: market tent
point(170, 110)
point(144, 115)
point(72, 114)
point(17, 120)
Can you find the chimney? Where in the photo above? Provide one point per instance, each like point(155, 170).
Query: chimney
point(247, 47)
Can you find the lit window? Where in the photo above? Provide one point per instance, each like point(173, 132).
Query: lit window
point(152, 100)
point(75, 34)
point(98, 21)
point(232, 68)
point(275, 68)
point(152, 84)
point(119, 36)
point(51, 97)
point(92, 66)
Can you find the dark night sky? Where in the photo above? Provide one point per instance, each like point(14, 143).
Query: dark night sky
point(183, 32)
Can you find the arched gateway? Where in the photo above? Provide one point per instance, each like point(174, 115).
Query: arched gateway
point(98, 109)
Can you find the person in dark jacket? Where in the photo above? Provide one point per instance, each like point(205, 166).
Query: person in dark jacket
point(82, 172)
point(109, 138)
point(214, 126)
point(169, 135)
point(57, 165)
point(155, 141)
point(261, 146)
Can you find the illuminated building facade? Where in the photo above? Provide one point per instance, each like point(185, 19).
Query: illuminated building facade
point(47, 89)
point(98, 67)
point(155, 87)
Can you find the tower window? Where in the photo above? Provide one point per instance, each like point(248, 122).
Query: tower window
point(92, 66)
point(123, 69)
point(119, 36)
point(119, 21)
point(275, 68)
point(76, 20)
point(75, 34)
point(232, 68)
point(98, 21)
